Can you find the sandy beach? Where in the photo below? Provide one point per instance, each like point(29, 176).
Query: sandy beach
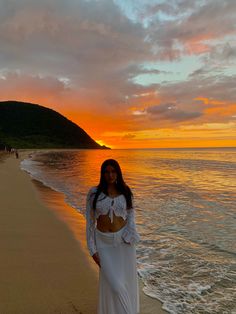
point(45, 266)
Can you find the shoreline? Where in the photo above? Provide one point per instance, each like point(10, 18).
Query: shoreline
point(73, 220)
point(67, 228)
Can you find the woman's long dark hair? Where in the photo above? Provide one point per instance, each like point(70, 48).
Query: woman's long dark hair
point(121, 186)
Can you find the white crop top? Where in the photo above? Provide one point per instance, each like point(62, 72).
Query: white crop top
point(108, 205)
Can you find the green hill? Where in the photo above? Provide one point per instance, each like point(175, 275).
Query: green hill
point(25, 125)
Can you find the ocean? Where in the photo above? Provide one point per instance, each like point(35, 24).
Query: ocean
point(185, 201)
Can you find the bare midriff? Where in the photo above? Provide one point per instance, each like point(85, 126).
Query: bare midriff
point(104, 223)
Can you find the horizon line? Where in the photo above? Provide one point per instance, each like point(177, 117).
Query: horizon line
point(200, 147)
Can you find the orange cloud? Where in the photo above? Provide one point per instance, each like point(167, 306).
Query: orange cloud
point(229, 110)
point(208, 101)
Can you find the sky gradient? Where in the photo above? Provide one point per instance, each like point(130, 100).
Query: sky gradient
point(132, 74)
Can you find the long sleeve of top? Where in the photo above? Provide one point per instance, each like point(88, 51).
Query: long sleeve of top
point(90, 223)
point(130, 234)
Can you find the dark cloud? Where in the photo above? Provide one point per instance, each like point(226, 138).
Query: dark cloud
point(218, 87)
point(81, 39)
point(192, 27)
point(152, 71)
point(129, 136)
point(171, 112)
point(172, 8)
point(221, 56)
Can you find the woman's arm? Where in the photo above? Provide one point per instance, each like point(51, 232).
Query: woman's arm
point(90, 223)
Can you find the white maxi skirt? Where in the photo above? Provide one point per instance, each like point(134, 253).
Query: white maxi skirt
point(118, 281)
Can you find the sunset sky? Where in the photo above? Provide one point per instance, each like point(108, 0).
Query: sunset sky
point(131, 73)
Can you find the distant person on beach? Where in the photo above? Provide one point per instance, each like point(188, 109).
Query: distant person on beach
point(16, 153)
point(111, 239)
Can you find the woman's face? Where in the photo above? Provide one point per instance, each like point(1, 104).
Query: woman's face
point(110, 175)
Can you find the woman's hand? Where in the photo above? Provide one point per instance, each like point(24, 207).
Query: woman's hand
point(126, 242)
point(96, 259)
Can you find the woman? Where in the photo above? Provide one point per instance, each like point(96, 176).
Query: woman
point(111, 239)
